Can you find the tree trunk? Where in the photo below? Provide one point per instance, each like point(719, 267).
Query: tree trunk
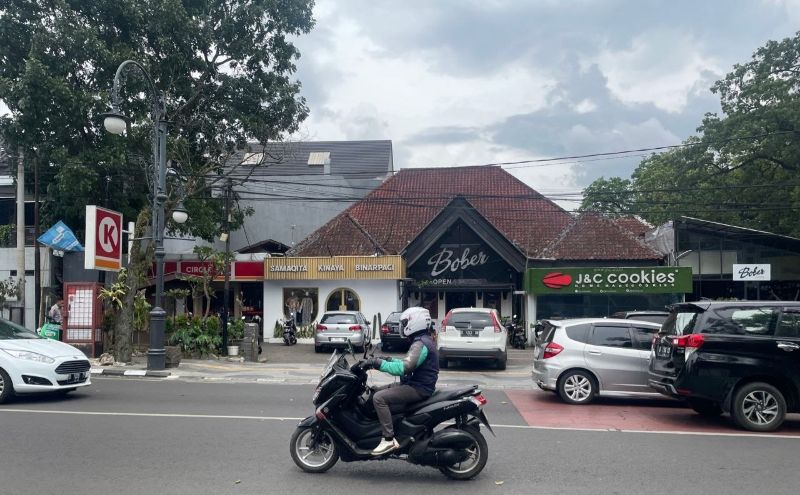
point(140, 262)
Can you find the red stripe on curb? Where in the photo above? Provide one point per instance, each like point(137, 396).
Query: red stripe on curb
point(545, 409)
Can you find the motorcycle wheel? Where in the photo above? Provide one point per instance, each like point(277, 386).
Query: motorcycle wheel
point(317, 459)
point(474, 464)
point(292, 340)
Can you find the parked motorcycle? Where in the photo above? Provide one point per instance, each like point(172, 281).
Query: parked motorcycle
point(344, 425)
point(516, 334)
point(289, 331)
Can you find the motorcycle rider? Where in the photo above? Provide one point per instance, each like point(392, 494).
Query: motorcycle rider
point(418, 372)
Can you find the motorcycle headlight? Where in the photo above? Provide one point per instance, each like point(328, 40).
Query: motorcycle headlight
point(29, 356)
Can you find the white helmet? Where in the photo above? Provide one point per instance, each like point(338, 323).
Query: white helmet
point(414, 320)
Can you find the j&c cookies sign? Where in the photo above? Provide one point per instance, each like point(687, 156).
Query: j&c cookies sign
point(649, 280)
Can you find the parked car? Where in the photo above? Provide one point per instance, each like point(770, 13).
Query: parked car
point(472, 333)
point(741, 357)
point(582, 358)
point(652, 316)
point(337, 328)
point(391, 338)
point(33, 364)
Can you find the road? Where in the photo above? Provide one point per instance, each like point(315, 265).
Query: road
point(134, 436)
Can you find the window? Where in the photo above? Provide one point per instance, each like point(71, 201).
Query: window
point(608, 336)
point(470, 320)
point(301, 304)
point(343, 300)
point(741, 321)
point(11, 331)
point(789, 325)
point(643, 337)
point(339, 318)
point(579, 333)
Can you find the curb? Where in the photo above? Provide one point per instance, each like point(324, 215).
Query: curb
point(138, 373)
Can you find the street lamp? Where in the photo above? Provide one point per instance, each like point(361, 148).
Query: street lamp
point(116, 123)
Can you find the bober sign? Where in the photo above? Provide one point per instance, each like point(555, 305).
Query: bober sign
point(103, 239)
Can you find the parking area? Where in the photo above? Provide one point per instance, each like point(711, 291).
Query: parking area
point(544, 409)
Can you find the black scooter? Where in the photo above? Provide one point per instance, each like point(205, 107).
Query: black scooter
point(289, 331)
point(345, 426)
point(516, 334)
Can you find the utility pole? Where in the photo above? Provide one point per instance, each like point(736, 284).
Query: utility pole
point(225, 297)
point(37, 261)
point(21, 233)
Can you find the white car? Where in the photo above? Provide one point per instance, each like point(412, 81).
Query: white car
point(472, 333)
point(32, 364)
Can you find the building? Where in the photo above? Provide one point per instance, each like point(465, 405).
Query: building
point(468, 236)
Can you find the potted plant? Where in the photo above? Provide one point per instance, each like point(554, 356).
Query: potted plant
point(235, 335)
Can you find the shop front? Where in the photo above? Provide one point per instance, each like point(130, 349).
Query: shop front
point(462, 261)
point(305, 287)
point(602, 291)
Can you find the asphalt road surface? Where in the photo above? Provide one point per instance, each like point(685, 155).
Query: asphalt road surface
point(133, 436)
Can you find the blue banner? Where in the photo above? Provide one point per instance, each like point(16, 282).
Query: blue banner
point(60, 237)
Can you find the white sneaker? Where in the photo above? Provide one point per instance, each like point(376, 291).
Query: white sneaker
point(385, 446)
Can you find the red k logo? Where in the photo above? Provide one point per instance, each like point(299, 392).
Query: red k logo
point(556, 280)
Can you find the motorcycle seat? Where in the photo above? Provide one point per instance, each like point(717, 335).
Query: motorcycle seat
point(441, 395)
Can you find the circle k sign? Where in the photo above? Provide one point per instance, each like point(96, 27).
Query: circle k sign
point(103, 239)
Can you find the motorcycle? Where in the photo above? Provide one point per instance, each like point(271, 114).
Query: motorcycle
point(344, 426)
point(516, 334)
point(289, 331)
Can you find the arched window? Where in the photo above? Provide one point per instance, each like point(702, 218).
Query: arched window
point(343, 300)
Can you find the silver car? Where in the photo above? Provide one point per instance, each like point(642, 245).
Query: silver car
point(337, 328)
point(582, 358)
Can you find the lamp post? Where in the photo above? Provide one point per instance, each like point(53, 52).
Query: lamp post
point(116, 123)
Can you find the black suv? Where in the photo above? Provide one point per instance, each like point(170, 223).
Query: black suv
point(391, 338)
point(651, 316)
point(741, 357)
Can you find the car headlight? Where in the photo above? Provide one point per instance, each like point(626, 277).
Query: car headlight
point(30, 356)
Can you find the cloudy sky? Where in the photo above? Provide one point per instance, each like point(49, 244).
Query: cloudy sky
point(462, 82)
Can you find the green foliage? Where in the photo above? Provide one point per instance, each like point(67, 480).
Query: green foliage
point(141, 311)
point(743, 166)
point(236, 329)
point(8, 288)
point(303, 332)
point(115, 295)
point(196, 335)
point(6, 235)
point(225, 67)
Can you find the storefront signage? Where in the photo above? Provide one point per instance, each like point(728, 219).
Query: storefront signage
point(447, 260)
point(649, 280)
point(757, 272)
point(335, 268)
point(103, 239)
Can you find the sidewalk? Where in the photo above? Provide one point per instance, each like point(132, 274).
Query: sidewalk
point(299, 364)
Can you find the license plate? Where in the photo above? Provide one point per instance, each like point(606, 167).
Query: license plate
point(663, 351)
point(338, 339)
point(469, 333)
point(76, 377)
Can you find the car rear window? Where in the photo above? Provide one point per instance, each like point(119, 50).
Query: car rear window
point(579, 333)
point(476, 320)
point(334, 318)
point(680, 322)
point(393, 318)
point(651, 318)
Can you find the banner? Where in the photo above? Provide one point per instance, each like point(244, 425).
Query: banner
point(61, 238)
point(612, 280)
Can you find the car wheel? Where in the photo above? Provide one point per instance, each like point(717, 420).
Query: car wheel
point(386, 347)
point(318, 349)
point(758, 406)
point(577, 387)
point(705, 407)
point(6, 387)
point(501, 362)
point(442, 363)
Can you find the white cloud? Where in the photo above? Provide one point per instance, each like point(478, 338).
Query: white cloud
point(662, 67)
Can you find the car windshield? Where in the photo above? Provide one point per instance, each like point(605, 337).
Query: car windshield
point(11, 331)
point(342, 318)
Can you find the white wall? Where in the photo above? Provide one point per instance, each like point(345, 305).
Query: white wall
point(376, 296)
point(8, 262)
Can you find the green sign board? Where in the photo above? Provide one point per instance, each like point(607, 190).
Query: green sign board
point(627, 280)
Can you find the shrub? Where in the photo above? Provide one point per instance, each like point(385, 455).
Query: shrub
point(196, 335)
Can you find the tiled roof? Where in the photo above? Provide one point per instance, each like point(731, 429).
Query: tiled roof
point(634, 225)
point(592, 236)
point(396, 212)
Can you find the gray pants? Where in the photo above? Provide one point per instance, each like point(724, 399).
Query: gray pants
point(393, 397)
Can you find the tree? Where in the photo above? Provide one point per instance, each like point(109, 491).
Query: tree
point(224, 66)
point(742, 168)
point(611, 196)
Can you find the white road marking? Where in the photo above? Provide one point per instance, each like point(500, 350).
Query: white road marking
point(287, 418)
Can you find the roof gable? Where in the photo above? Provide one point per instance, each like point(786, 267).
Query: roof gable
point(592, 236)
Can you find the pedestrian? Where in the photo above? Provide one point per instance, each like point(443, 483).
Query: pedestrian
point(55, 312)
